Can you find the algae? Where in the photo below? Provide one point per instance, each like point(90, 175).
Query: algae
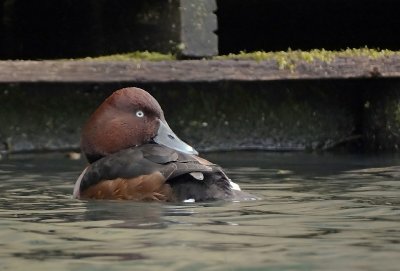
point(137, 55)
point(289, 59)
point(285, 59)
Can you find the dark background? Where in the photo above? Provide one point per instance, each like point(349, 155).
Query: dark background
point(45, 29)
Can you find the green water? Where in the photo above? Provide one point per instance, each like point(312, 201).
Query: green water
point(315, 213)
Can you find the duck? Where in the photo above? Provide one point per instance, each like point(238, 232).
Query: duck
point(133, 154)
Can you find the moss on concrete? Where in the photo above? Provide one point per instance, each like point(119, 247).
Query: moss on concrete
point(289, 59)
point(138, 55)
point(284, 59)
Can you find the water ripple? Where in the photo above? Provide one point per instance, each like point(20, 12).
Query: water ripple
point(329, 212)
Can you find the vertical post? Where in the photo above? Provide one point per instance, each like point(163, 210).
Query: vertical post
point(198, 26)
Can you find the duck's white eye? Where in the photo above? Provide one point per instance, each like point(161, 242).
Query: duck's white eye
point(140, 114)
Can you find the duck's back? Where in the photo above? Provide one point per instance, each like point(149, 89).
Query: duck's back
point(153, 172)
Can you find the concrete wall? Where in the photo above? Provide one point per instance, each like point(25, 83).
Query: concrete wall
point(351, 115)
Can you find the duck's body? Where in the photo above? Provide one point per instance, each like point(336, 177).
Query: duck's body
point(154, 172)
point(134, 155)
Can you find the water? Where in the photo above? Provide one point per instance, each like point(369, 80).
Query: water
point(316, 212)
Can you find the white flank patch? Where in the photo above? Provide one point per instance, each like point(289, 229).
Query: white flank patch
point(234, 186)
point(197, 175)
point(189, 200)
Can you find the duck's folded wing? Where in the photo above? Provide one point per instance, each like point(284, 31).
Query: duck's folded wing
point(138, 172)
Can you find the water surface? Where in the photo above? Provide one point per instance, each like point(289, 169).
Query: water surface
point(316, 212)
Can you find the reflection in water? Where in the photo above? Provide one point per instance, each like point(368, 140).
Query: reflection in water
point(315, 212)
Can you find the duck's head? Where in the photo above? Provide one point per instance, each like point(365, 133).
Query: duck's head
point(129, 117)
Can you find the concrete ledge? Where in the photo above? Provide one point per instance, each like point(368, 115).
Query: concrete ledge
point(194, 70)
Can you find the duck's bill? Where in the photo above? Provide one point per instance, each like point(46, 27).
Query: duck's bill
point(165, 136)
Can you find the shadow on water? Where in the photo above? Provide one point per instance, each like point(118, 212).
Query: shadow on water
point(315, 212)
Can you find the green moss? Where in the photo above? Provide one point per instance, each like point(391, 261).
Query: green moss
point(137, 55)
point(289, 59)
point(284, 59)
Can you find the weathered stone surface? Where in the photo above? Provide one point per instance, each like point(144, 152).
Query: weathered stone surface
point(198, 26)
point(314, 115)
point(37, 117)
point(220, 116)
point(382, 116)
point(193, 70)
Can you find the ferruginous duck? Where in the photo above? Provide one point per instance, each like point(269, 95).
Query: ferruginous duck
point(134, 155)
